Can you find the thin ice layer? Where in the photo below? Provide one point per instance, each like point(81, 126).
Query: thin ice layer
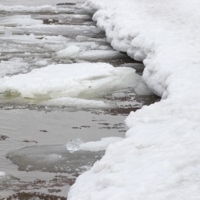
point(75, 102)
point(159, 159)
point(19, 20)
point(53, 158)
point(70, 80)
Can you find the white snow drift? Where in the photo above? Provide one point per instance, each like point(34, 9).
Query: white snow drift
point(160, 158)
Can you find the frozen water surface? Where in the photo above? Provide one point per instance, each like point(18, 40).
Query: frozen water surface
point(59, 80)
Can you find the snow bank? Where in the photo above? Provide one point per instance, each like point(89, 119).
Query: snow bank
point(159, 159)
point(82, 80)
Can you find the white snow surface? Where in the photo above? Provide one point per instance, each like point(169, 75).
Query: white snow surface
point(82, 80)
point(160, 157)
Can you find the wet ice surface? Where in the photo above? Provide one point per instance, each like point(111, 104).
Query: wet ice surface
point(54, 159)
point(34, 129)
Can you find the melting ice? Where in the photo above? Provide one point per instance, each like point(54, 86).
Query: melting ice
point(83, 80)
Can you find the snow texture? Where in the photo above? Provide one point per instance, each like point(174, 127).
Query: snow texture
point(160, 157)
point(82, 80)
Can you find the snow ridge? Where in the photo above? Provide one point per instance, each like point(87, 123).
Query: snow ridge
point(159, 159)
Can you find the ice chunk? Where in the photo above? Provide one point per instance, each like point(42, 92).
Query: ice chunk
point(8, 33)
point(19, 20)
point(68, 52)
point(74, 145)
point(14, 65)
point(70, 80)
point(100, 55)
point(41, 63)
point(99, 145)
point(2, 174)
point(75, 102)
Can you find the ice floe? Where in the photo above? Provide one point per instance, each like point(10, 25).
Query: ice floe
point(53, 158)
point(68, 52)
point(71, 80)
point(99, 145)
point(19, 20)
point(76, 102)
point(2, 174)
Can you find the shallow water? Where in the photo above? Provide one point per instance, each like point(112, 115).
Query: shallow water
point(25, 124)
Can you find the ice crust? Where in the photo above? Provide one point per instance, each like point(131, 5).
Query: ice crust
point(159, 159)
point(82, 80)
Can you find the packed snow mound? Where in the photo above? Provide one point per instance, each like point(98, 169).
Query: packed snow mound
point(159, 159)
point(82, 80)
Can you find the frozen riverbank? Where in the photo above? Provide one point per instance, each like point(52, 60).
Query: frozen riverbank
point(159, 159)
point(60, 80)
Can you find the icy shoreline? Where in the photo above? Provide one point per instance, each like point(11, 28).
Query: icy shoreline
point(159, 159)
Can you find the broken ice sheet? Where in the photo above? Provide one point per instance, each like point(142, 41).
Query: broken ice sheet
point(19, 20)
point(71, 80)
point(53, 158)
